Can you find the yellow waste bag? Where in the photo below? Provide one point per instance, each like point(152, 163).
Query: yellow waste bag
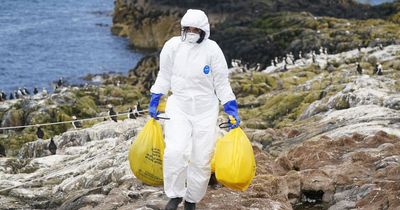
point(146, 154)
point(234, 162)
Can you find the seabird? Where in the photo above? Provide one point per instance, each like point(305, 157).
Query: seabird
point(258, 67)
point(21, 92)
point(39, 133)
point(52, 147)
point(131, 115)
point(2, 151)
point(11, 96)
point(44, 91)
point(112, 113)
point(26, 91)
point(1, 95)
point(35, 91)
point(138, 109)
point(60, 82)
point(16, 94)
point(76, 123)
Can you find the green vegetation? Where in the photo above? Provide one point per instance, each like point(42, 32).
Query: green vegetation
point(83, 103)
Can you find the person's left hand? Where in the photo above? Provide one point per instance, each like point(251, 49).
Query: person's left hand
point(231, 108)
point(154, 101)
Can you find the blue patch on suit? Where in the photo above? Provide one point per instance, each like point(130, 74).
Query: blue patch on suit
point(206, 69)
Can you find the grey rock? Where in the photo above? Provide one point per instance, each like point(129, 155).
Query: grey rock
point(343, 205)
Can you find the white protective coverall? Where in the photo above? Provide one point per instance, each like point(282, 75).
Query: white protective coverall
point(197, 76)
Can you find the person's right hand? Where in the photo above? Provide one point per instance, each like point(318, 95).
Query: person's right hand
point(154, 101)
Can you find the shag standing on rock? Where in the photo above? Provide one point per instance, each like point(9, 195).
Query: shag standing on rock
point(39, 133)
point(52, 147)
point(2, 151)
point(11, 96)
point(112, 113)
point(359, 69)
point(76, 123)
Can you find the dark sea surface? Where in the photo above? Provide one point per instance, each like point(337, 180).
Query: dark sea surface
point(43, 40)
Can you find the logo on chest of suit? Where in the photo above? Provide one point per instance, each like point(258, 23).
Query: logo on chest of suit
point(206, 69)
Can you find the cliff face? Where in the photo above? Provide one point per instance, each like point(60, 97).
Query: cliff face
point(145, 26)
point(256, 31)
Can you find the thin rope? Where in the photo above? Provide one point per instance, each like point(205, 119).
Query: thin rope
point(53, 172)
point(69, 121)
point(64, 168)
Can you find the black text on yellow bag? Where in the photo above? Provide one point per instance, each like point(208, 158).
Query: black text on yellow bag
point(146, 154)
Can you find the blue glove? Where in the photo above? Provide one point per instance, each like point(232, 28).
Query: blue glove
point(155, 99)
point(231, 108)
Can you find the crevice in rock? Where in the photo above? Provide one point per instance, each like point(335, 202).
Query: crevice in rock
point(311, 200)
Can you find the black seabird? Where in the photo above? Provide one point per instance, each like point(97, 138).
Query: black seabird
point(2, 151)
point(112, 113)
point(40, 133)
point(52, 147)
point(35, 91)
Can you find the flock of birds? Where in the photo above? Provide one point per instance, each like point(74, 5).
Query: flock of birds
point(24, 92)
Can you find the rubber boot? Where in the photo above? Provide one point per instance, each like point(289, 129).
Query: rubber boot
point(190, 206)
point(173, 203)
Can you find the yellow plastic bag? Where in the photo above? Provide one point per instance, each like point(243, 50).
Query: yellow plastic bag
point(146, 154)
point(234, 162)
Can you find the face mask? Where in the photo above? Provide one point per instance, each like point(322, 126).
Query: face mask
point(192, 37)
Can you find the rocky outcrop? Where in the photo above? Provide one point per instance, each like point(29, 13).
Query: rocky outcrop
point(145, 26)
point(145, 73)
point(90, 170)
point(264, 30)
point(88, 165)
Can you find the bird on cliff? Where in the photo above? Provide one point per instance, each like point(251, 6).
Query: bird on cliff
point(3, 96)
point(26, 91)
point(16, 94)
point(76, 124)
point(2, 151)
point(35, 91)
point(112, 113)
point(39, 133)
point(131, 115)
point(44, 91)
point(138, 109)
point(52, 147)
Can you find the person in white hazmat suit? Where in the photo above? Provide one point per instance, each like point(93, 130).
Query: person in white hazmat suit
point(194, 69)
